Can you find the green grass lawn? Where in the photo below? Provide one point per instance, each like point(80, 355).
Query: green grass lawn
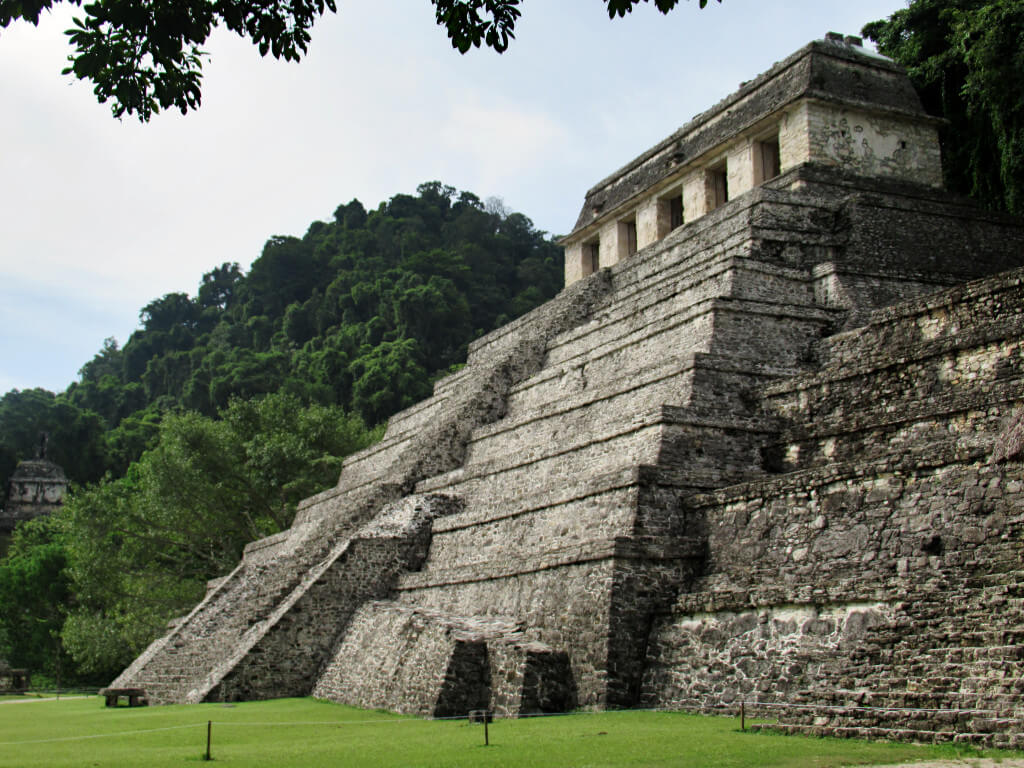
point(306, 732)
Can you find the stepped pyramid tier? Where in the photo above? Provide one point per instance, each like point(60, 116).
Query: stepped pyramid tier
point(748, 453)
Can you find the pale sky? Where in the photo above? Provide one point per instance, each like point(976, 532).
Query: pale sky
point(98, 217)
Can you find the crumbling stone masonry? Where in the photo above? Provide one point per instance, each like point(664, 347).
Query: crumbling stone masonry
point(763, 447)
point(37, 487)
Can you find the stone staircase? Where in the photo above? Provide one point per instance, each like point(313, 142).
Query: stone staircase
point(176, 667)
point(217, 650)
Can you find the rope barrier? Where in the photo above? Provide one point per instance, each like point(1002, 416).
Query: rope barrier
point(732, 709)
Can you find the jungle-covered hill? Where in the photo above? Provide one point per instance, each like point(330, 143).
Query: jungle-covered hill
point(226, 408)
point(361, 312)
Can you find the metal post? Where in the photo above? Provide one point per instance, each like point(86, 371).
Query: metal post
point(487, 740)
point(209, 728)
point(743, 715)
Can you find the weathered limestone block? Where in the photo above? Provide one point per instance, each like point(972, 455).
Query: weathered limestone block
point(283, 655)
point(760, 654)
point(425, 662)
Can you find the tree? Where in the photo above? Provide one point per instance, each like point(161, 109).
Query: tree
point(34, 591)
point(966, 60)
point(76, 436)
point(217, 290)
point(141, 548)
point(146, 55)
point(387, 378)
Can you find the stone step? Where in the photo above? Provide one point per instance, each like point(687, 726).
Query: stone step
point(660, 345)
point(702, 273)
point(642, 440)
point(371, 464)
point(688, 248)
point(556, 392)
point(876, 733)
point(737, 326)
point(560, 423)
point(842, 404)
point(678, 292)
point(740, 229)
point(949, 315)
point(869, 427)
point(451, 383)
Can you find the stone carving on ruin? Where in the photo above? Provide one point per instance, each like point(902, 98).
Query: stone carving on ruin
point(37, 487)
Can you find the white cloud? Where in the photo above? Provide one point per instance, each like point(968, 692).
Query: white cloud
point(494, 140)
point(107, 215)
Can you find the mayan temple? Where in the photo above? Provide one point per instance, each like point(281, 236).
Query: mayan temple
point(763, 447)
point(36, 487)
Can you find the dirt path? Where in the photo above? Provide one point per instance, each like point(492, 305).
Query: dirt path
point(30, 699)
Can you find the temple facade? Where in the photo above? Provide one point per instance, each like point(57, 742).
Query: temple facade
point(36, 488)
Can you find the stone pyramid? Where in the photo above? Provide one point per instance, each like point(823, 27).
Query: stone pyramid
point(748, 453)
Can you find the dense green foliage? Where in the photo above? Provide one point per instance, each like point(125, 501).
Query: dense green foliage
point(225, 409)
point(34, 589)
point(362, 312)
point(147, 56)
point(359, 312)
point(966, 59)
point(141, 548)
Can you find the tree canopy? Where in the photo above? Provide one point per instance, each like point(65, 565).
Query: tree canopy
point(146, 56)
point(966, 59)
point(361, 312)
point(140, 549)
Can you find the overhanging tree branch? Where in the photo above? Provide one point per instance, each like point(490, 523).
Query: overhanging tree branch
point(145, 56)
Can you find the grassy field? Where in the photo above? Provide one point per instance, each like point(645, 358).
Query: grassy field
point(306, 732)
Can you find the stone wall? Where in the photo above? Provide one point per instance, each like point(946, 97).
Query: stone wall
point(867, 144)
point(425, 662)
point(859, 585)
point(884, 575)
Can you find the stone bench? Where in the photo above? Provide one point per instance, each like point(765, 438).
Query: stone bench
point(136, 696)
